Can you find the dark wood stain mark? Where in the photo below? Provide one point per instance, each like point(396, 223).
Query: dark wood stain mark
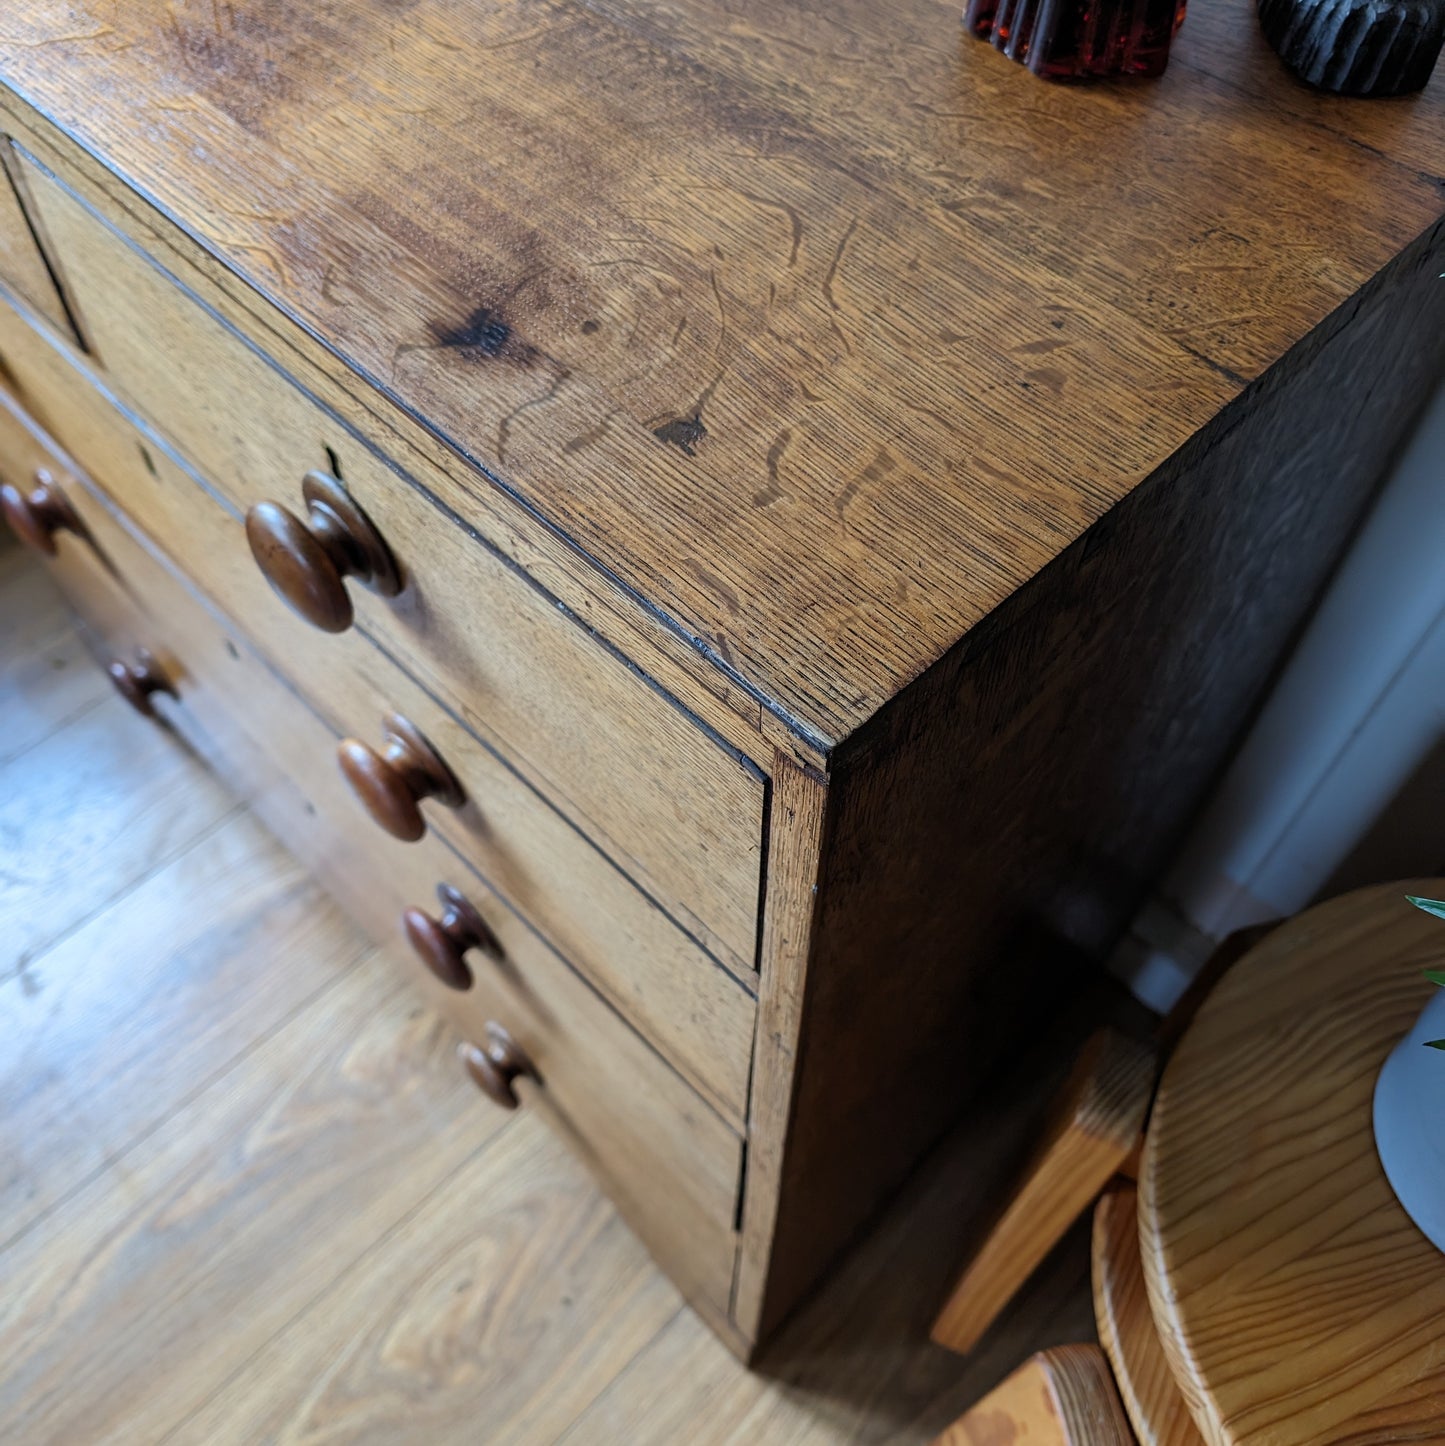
point(484, 334)
point(1041, 347)
point(1050, 377)
point(683, 432)
point(587, 438)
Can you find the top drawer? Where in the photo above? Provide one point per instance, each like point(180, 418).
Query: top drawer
point(682, 812)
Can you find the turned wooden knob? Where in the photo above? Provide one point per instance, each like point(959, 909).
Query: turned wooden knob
point(494, 1068)
point(441, 943)
point(391, 784)
point(135, 682)
point(308, 560)
point(36, 516)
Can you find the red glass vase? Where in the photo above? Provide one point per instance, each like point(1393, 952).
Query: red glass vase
point(1079, 39)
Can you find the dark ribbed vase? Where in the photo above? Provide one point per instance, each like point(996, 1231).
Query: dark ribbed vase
point(1079, 39)
point(1357, 47)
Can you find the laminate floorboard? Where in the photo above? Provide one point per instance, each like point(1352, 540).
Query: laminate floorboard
point(246, 1194)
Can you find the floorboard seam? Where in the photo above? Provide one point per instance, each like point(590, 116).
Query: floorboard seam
point(7, 759)
point(115, 1157)
point(161, 864)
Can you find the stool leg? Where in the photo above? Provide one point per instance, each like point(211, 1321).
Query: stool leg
point(1095, 1128)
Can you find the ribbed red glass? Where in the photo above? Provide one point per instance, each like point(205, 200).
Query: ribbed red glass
point(1079, 39)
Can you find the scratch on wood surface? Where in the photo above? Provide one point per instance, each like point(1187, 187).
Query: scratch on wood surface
point(828, 280)
point(782, 207)
point(765, 496)
point(714, 584)
point(587, 438)
point(877, 470)
point(504, 427)
point(267, 254)
point(78, 37)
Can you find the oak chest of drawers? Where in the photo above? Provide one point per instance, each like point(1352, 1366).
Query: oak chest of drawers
point(736, 536)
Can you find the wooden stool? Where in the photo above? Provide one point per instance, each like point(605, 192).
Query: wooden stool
point(1299, 1304)
point(1262, 1267)
point(1090, 1152)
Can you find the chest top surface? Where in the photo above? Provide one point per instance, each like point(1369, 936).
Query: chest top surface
point(820, 325)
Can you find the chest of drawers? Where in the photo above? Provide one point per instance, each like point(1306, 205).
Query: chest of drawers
point(735, 536)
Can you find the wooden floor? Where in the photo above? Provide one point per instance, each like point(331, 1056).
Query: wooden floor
point(247, 1195)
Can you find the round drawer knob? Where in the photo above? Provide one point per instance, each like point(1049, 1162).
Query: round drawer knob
point(308, 559)
point(36, 516)
point(495, 1068)
point(137, 681)
point(440, 944)
point(391, 784)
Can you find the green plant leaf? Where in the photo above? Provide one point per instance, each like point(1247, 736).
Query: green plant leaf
point(1430, 906)
point(1435, 1044)
point(1435, 976)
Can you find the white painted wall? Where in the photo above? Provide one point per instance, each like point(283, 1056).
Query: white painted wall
point(1342, 780)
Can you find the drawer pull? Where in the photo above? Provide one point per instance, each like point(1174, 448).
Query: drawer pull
point(391, 784)
point(36, 516)
point(441, 944)
point(307, 560)
point(494, 1068)
point(135, 682)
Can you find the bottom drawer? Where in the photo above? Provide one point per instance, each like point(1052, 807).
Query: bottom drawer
point(671, 1164)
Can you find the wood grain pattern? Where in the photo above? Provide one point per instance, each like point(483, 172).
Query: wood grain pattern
point(637, 216)
point(673, 807)
point(496, 1312)
point(1296, 1299)
point(1061, 1397)
point(518, 536)
point(297, 1118)
point(800, 796)
point(1097, 1126)
point(1156, 1409)
point(697, 1013)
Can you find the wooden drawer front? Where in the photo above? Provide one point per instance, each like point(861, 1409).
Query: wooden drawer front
point(680, 810)
point(671, 1162)
point(698, 1014)
point(22, 264)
